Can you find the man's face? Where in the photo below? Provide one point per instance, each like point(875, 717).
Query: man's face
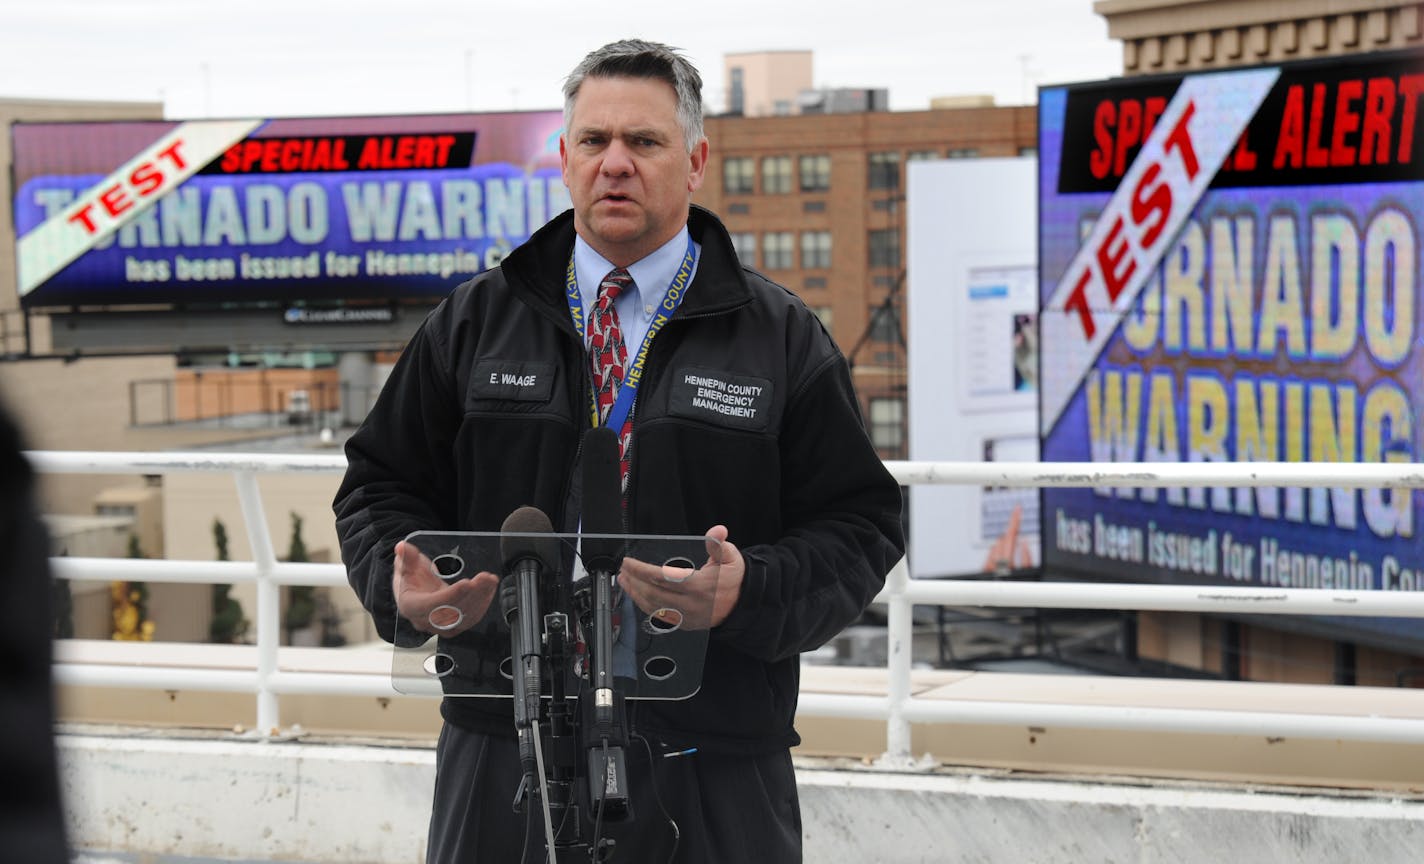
point(629, 174)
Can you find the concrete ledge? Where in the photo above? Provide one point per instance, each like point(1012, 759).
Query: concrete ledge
point(1267, 757)
point(904, 818)
point(148, 793)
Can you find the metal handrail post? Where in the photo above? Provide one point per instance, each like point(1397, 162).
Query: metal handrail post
point(269, 604)
point(900, 651)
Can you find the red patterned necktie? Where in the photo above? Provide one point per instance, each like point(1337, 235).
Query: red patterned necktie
point(610, 358)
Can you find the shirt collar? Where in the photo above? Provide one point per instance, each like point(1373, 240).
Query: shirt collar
point(655, 271)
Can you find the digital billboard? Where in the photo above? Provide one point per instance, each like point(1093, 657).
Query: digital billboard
point(1229, 270)
point(141, 212)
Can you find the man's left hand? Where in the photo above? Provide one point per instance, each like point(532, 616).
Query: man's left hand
point(702, 598)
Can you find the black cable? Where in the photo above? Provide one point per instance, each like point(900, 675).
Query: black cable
point(598, 814)
point(580, 690)
point(658, 798)
point(528, 823)
point(563, 820)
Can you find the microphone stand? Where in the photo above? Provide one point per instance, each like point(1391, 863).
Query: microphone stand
point(562, 772)
point(604, 718)
point(600, 709)
point(551, 643)
point(541, 641)
point(532, 561)
point(569, 709)
point(524, 649)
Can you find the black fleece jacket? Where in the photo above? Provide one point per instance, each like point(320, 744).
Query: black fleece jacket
point(791, 473)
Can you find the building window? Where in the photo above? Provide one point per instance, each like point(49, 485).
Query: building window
point(962, 152)
point(776, 175)
point(776, 250)
point(921, 155)
point(823, 313)
point(739, 175)
point(885, 248)
point(745, 245)
point(815, 173)
point(884, 171)
point(1028, 151)
point(815, 250)
point(736, 98)
point(887, 424)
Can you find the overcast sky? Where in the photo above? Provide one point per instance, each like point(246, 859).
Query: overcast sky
point(272, 58)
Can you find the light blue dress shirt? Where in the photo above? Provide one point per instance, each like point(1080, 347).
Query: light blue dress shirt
point(651, 277)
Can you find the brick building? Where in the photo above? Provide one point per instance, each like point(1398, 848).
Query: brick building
point(817, 202)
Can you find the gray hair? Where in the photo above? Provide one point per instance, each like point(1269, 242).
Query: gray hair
point(635, 58)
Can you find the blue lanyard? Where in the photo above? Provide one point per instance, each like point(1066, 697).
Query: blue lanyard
point(633, 375)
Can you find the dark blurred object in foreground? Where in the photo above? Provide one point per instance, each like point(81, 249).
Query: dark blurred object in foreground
point(31, 819)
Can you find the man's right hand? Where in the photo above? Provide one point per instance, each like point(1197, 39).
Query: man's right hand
point(433, 605)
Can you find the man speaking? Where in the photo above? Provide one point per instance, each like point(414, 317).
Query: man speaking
point(736, 418)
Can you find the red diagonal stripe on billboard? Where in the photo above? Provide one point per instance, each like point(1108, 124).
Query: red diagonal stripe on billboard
point(1187, 147)
point(123, 195)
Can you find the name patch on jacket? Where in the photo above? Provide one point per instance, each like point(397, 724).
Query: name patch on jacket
point(522, 381)
point(740, 401)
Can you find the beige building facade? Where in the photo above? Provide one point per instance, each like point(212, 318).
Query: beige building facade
point(765, 83)
point(1178, 35)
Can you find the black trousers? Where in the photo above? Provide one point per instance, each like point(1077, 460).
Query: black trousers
point(726, 808)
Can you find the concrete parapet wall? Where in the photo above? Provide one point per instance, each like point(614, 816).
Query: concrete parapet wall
point(142, 793)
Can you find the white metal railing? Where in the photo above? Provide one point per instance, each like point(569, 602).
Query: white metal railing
point(899, 708)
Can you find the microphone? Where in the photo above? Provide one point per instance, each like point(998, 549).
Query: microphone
point(602, 557)
point(525, 559)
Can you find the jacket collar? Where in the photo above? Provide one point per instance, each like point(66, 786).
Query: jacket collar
point(535, 270)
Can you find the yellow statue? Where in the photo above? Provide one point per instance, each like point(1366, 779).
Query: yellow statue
point(128, 624)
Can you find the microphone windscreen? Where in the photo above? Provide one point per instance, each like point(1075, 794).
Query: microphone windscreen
point(602, 482)
point(529, 520)
point(602, 492)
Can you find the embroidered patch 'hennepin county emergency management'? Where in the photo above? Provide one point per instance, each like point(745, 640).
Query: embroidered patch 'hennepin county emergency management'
point(738, 401)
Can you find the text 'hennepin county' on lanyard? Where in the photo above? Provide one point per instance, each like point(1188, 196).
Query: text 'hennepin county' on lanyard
point(671, 299)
